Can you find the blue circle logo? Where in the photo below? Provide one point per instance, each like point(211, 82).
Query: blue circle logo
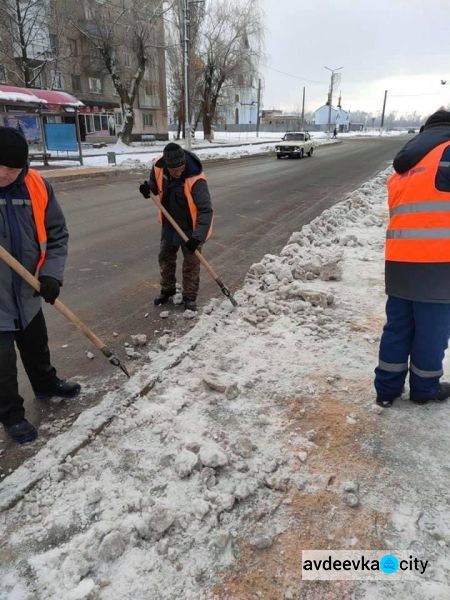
point(389, 564)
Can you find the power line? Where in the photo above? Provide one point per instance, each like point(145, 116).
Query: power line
point(413, 95)
point(296, 76)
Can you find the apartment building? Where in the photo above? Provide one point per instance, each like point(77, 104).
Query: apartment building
point(78, 46)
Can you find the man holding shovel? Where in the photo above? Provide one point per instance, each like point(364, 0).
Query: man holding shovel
point(32, 230)
point(178, 179)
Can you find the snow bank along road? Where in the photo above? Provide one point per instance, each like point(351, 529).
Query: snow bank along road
point(112, 272)
point(258, 438)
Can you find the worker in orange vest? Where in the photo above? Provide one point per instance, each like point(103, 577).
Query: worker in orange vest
point(178, 179)
point(33, 230)
point(416, 334)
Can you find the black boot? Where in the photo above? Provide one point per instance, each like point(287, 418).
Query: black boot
point(385, 403)
point(22, 432)
point(444, 391)
point(443, 394)
point(164, 297)
point(61, 388)
point(190, 304)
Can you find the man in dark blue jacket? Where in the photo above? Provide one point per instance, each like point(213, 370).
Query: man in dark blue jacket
point(178, 179)
point(21, 319)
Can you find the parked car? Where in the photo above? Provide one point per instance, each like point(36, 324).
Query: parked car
point(411, 131)
point(295, 144)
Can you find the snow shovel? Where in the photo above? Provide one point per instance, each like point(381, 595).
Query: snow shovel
point(31, 280)
point(225, 291)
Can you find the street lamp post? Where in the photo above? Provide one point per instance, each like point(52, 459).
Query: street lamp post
point(330, 94)
point(187, 121)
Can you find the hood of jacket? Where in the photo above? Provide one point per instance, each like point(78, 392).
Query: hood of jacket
point(420, 146)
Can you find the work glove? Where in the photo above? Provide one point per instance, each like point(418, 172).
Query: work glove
point(192, 244)
point(49, 288)
point(145, 190)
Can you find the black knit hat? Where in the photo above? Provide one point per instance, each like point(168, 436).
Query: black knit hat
point(440, 117)
point(13, 148)
point(174, 156)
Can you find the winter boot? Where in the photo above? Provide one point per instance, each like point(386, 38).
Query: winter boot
point(443, 394)
point(22, 432)
point(164, 297)
point(385, 403)
point(190, 305)
point(61, 388)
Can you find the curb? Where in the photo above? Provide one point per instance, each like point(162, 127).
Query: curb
point(95, 419)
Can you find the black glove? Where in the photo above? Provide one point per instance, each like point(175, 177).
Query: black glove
point(49, 288)
point(145, 190)
point(192, 244)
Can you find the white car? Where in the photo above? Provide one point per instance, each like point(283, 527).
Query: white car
point(295, 144)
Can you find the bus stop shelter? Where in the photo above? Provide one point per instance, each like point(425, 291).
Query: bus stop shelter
point(47, 118)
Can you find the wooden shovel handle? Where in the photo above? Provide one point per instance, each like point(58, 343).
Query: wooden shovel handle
point(184, 237)
point(62, 308)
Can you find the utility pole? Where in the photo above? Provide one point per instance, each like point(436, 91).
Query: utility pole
point(330, 94)
point(303, 108)
point(384, 110)
point(187, 121)
point(258, 107)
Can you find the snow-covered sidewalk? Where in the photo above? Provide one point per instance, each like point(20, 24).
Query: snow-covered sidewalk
point(138, 157)
point(253, 438)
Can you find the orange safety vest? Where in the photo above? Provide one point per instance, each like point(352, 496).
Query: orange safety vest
point(39, 201)
point(188, 185)
point(419, 226)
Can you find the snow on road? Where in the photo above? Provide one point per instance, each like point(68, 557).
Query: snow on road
point(236, 456)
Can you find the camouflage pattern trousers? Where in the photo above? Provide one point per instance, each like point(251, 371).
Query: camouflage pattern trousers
point(168, 266)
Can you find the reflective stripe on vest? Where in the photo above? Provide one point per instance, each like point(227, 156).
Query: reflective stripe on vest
point(39, 201)
point(188, 185)
point(419, 227)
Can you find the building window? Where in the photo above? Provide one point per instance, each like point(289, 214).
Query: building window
point(2, 74)
point(236, 98)
point(73, 46)
point(126, 59)
point(148, 119)
point(53, 38)
point(57, 80)
point(76, 83)
point(118, 117)
point(95, 85)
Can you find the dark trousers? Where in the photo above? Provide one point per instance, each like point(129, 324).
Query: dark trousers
point(168, 266)
point(32, 343)
point(415, 337)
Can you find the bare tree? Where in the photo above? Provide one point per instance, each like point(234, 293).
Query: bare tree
point(231, 43)
point(30, 34)
point(133, 24)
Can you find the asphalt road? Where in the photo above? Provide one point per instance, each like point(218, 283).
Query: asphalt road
point(112, 272)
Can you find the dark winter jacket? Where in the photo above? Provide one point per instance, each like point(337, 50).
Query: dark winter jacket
point(175, 202)
point(422, 282)
point(18, 305)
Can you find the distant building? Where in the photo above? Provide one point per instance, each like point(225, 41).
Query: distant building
point(338, 117)
point(289, 121)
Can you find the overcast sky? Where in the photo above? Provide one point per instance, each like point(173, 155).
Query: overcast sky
point(399, 45)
